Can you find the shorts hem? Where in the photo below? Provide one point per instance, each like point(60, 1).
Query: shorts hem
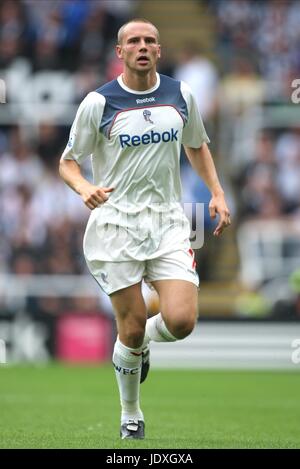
point(176, 277)
point(114, 290)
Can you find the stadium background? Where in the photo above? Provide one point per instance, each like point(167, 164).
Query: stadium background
point(241, 58)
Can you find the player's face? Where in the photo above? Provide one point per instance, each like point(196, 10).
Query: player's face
point(139, 48)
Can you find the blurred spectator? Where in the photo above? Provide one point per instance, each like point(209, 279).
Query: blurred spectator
point(271, 181)
point(21, 165)
point(117, 13)
point(167, 62)
point(87, 78)
point(16, 32)
point(268, 30)
point(201, 75)
point(114, 67)
point(74, 14)
point(50, 142)
point(10, 48)
point(287, 153)
point(242, 87)
point(92, 44)
point(38, 215)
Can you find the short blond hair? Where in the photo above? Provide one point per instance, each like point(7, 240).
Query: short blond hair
point(136, 20)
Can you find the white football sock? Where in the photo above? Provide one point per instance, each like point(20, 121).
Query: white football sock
point(127, 363)
point(157, 331)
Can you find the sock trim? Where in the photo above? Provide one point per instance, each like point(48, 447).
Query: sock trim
point(163, 330)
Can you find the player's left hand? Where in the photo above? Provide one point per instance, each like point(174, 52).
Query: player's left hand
point(218, 205)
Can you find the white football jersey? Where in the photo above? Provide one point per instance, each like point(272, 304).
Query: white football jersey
point(134, 139)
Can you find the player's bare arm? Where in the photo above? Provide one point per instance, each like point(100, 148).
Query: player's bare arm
point(202, 162)
point(92, 195)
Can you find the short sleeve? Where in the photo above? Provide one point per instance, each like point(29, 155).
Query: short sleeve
point(84, 132)
point(194, 133)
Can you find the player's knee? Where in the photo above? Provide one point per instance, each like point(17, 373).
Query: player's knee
point(183, 326)
point(133, 335)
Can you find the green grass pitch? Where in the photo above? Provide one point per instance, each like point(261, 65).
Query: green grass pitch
point(58, 406)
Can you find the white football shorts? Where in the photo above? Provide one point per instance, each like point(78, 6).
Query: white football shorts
point(113, 276)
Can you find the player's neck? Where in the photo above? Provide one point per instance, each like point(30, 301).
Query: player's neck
point(139, 82)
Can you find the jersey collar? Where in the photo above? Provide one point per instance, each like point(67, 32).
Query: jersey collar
point(129, 90)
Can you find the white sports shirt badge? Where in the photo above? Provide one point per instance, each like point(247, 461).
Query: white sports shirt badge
point(147, 114)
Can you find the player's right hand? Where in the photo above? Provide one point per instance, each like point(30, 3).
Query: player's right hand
point(94, 196)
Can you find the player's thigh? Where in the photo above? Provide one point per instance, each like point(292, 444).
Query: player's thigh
point(131, 314)
point(129, 302)
point(175, 279)
point(178, 301)
point(122, 282)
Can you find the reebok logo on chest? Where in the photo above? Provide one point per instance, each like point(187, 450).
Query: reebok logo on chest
point(127, 140)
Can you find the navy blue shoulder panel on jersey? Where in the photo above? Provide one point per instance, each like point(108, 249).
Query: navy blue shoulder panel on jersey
point(117, 99)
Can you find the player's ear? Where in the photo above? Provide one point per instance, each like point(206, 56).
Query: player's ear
point(119, 51)
point(159, 51)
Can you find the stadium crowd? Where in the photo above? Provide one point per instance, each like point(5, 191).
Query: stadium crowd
point(257, 56)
